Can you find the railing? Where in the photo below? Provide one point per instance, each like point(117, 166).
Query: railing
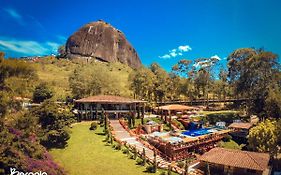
point(108, 111)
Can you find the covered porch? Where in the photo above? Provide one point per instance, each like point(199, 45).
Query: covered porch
point(90, 108)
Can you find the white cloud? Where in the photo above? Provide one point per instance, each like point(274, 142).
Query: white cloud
point(185, 48)
point(28, 48)
point(15, 15)
point(176, 52)
point(165, 56)
point(173, 54)
point(201, 64)
point(216, 57)
point(54, 46)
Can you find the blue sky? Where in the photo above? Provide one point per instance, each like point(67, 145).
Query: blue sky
point(161, 31)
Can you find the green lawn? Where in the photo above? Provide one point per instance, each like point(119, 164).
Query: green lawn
point(218, 112)
point(86, 154)
point(230, 145)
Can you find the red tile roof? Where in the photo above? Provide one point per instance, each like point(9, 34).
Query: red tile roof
point(237, 158)
point(241, 125)
point(109, 99)
point(176, 107)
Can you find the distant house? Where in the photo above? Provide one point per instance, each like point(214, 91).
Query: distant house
point(240, 129)
point(234, 162)
point(24, 102)
point(91, 107)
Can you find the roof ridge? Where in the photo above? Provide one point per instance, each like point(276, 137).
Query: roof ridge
point(249, 154)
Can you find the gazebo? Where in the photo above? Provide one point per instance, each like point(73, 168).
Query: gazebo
point(90, 107)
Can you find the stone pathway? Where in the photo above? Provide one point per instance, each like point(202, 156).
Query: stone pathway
point(123, 135)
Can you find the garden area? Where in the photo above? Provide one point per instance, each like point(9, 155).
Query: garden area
point(88, 154)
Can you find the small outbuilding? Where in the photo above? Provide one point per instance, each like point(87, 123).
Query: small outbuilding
point(240, 130)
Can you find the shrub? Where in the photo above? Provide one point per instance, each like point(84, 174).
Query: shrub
point(131, 156)
point(139, 161)
point(150, 169)
point(41, 93)
point(227, 138)
point(180, 164)
point(225, 117)
point(125, 151)
point(93, 126)
point(117, 146)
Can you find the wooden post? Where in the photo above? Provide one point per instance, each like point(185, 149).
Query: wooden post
point(144, 156)
point(138, 111)
point(155, 161)
point(96, 115)
point(104, 119)
point(186, 167)
point(165, 119)
point(143, 110)
point(170, 120)
point(208, 169)
point(111, 139)
point(135, 152)
point(169, 169)
point(79, 112)
point(91, 108)
point(86, 111)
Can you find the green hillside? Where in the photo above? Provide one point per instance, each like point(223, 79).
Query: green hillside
point(56, 73)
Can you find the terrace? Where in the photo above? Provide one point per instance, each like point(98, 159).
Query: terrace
point(181, 145)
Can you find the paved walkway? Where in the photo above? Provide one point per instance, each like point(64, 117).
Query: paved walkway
point(123, 135)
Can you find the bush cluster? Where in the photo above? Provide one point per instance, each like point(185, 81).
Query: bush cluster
point(151, 169)
point(93, 126)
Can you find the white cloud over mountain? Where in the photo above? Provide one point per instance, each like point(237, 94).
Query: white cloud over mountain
point(176, 52)
point(28, 47)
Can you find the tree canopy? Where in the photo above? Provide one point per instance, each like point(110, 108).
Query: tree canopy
point(252, 73)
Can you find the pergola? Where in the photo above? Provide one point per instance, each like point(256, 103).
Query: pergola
point(90, 107)
point(176, 107)
point(167, 109)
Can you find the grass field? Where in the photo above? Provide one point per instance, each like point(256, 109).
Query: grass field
point(230, 145)
point(218, 112)
point(86, 154)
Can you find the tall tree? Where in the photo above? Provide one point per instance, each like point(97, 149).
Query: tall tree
point(94, 79)
point(251, 72)
point(204, 74)
point(160, 83)
point(182, 68)
point(185, 69)
point(142, 83)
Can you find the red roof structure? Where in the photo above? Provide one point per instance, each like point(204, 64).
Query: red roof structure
point(241, 125)
point(177, 107)
point(237, 158)
point(110, 99)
